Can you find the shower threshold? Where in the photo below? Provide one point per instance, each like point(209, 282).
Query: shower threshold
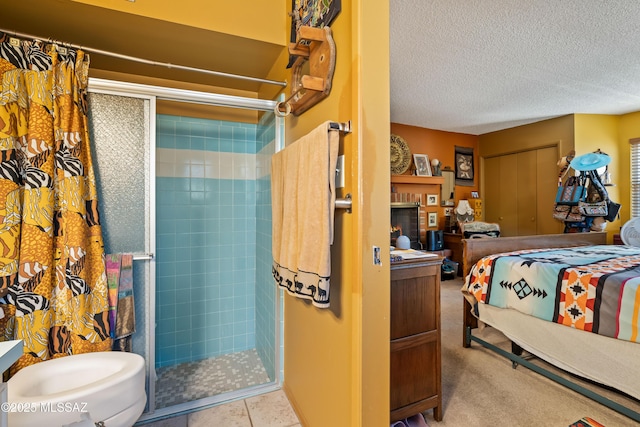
point(193, 386)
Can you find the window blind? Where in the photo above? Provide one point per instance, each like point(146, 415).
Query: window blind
point(635, 177)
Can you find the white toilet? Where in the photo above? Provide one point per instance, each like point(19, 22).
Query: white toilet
point(105, 386)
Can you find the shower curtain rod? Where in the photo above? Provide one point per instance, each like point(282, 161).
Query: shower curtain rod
point(149, 62)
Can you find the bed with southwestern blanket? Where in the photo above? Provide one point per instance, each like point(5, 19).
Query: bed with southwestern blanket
point(591, 288)
point(567, 299)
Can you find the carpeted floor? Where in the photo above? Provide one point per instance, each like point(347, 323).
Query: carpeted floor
point(480, 388)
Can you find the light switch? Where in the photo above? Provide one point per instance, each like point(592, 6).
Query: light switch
point(376, 256)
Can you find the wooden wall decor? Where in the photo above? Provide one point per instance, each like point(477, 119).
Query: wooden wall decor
point(313, 47)
point(312, 13)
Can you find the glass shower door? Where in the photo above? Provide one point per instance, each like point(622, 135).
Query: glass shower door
point(120, 128)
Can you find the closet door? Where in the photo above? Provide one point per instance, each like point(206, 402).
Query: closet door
point(519, 192)
point(546, 187)
point(500, 177)
point(526, 193)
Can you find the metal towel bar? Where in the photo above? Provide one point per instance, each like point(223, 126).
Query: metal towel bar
point(142, 257)
point(344, 127)
point(344, 203)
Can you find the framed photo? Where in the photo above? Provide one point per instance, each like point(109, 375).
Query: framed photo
point(432, 200)
point(432, 219)
point(474, 195)
point(423, 167)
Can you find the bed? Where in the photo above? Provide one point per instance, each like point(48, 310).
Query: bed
point(568, 299)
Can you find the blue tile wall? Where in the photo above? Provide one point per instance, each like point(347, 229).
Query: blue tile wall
point(206, 238)
point(267, 297)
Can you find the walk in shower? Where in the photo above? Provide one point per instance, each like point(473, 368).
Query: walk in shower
point(208, 312)
point(215, 329)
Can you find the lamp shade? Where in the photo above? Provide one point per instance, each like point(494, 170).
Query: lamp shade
point(464, 211)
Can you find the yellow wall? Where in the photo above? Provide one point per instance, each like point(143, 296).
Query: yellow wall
point(264, 20)
point(629, 128)
point(528, 137)
point(599, 131)
point(337, 359)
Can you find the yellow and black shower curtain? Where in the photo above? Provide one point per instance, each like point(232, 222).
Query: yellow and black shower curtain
point(52, 271)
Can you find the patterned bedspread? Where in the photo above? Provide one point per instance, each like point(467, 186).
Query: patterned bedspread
point(593, 288)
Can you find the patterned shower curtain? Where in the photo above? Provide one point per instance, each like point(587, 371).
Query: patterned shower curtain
point(52, 271)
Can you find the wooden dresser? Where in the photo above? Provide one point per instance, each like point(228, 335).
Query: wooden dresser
point(415, 338)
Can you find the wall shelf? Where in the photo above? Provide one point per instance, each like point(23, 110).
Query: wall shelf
point(413, 179)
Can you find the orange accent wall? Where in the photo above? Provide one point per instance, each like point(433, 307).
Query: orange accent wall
point(440, 145)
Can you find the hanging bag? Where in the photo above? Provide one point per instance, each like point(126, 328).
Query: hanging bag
point(593, 208)
point(594, 179)
point(571, 192)
point(599, 207)
point(613, 208)
point(560, 212)
point(613, 211)
point(568, 213)
point(567, 198)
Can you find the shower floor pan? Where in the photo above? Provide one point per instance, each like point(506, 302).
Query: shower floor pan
point(191, 381)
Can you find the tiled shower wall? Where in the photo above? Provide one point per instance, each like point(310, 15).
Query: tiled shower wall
point(206, 235)
point(266, 295)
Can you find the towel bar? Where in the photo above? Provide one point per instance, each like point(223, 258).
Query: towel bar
point(344, 203)
point(344, 127)
point(142, 257)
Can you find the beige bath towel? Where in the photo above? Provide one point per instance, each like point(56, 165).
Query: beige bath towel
point(303, 203)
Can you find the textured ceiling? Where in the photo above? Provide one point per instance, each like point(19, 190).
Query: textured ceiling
point(477, 66)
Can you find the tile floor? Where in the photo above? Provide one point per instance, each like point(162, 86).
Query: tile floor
point(267, 410)
point(191, 381)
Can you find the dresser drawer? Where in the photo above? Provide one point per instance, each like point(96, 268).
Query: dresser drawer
point(413, 304)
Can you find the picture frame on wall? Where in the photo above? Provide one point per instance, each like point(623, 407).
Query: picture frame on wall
point(423, 167)
point(432, 220)
point(432, 200)
point(464, 166)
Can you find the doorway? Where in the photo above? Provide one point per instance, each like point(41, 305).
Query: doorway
point(190, 198)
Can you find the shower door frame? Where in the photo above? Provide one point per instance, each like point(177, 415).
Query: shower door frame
point(152, 94)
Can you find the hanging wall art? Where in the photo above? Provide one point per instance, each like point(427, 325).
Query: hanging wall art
point(464, 166)
point(311, 13)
